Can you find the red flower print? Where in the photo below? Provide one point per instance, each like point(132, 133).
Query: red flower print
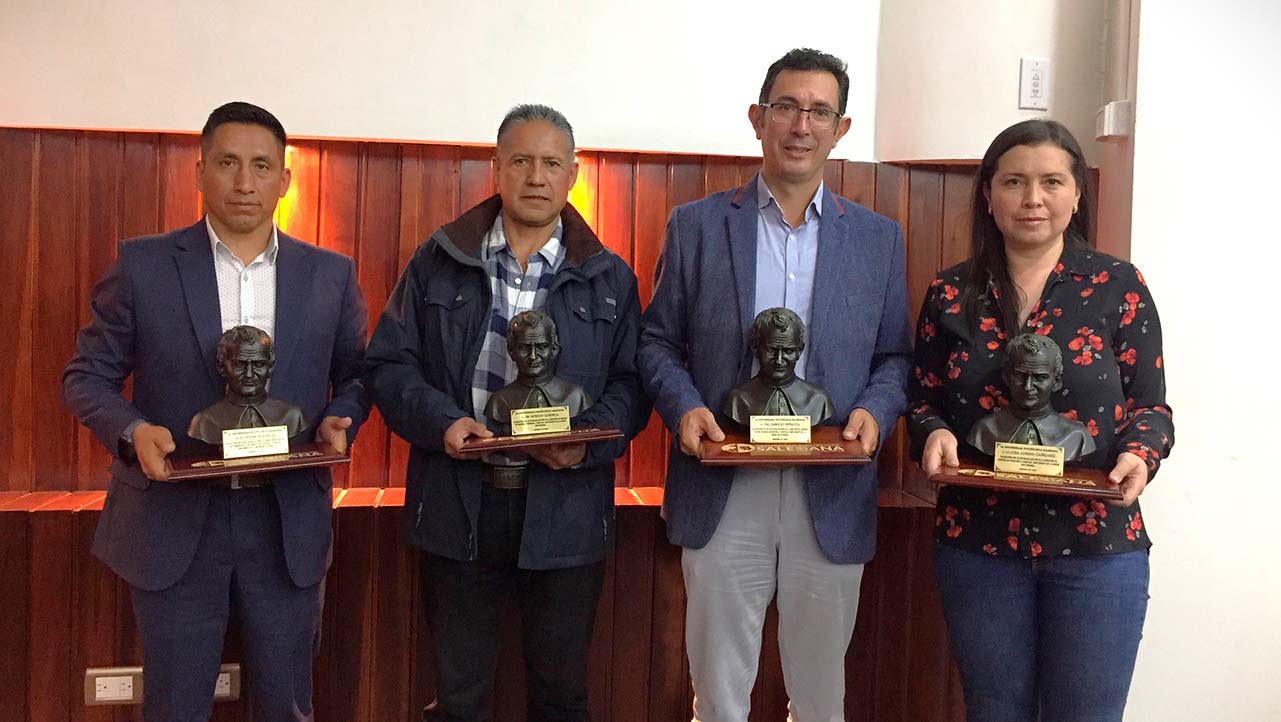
point(987, 324)
point(1159, 361)
point(1128, 356)
point(1101, 278)
point(989, 549)
point(1085, 359)
point(1084, 331)
point(1058, 312)
point(953, 531)
point(1014, 525)
point(1137, 522)
point(1058, 268)
point(949, 513)
point(1092, 427)
point(1118, 413)
point(1096, 342)
point(987, 402)
point(1045, 330)
point(1070, 414)
point(1131, 303)
point(938, 521)
point(993, 345)
point(1077, 343)
point(991, 500)
point(1036, 549)
point(954, 308)
point(1089, 527)
point(1129, 534)
point(950, 292)
point(1099, 508)
point(1078, 509)
point(1140, 277)
point(927, 331)
point(1013, 541)
point(1087, 292)
point(954, 372)
point(936, 282)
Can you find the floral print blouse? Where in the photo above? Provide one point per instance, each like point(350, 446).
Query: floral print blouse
point(1099, 311)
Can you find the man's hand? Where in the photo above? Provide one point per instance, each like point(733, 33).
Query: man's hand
point(333, 432)
point(862, 427)
point(940, 451)
point(559, 456)
point(694, 425)
point(461, 430)
point(1131, 473)
point(152, 444)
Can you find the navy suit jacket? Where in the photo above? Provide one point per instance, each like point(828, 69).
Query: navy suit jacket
point(695, 347)
point(155, 315)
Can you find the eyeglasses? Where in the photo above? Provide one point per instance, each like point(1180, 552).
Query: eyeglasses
point(821, 118)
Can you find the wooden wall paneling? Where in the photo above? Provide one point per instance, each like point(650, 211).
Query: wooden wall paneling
point(614, 215)
point(55, 312)
point(633, 614)
point(893, 564)
point(670, 697)
point(858, 183)
point(17, 226)
point(928, 657)
point(584, 196)
point(298, 213)
point(393, 586)
point(50, 693)
point(958, 190)
point(475, 177)
point(93, 628)
point(861, 658)
point(890, 199)
point(15, 570)
point(179, 199)
point(600, 655)
point(720, 174)
point(685, 180)
point(648, 450)
point(376, 258)
point(348, 678)
point(140, 185)
point(924, 235)
point(99, 236)
point(747, 167)
point(833, 175)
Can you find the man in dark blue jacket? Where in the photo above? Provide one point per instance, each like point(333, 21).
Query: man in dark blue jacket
point(537, 528)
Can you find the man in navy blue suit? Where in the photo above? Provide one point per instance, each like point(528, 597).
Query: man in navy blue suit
point(193, 551)
point(801, 533)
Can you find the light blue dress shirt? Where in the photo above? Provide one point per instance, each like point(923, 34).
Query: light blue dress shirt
point(785, 259)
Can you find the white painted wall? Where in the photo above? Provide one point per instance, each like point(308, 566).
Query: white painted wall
point(667, 75)
point(1206, 236)
point(948, 75)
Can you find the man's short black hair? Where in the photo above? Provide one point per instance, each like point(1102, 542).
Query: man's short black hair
point(239, 111)
point(809, 59)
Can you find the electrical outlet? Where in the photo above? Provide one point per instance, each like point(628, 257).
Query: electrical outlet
point(1034, 84)
point(227, 687)
point(113, 685)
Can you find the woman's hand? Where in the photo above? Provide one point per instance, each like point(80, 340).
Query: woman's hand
point(940, 451)
point(1131, 473)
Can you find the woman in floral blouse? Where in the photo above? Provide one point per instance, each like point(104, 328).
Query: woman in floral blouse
point(1044, 596)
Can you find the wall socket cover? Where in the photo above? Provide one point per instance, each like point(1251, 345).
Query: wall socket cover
point(1034, 84)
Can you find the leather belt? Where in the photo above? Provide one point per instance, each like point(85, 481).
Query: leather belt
point(238, 481)
point(506, 477)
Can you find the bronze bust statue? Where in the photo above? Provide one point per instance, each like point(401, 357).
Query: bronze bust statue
point(1032, 371)
point(532, 343)
point(246, 357)
point(778, 338)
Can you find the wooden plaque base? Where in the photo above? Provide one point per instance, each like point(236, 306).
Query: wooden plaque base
point(480, 447)
point(826, 448)
point(1092, 483)
point(301, 456)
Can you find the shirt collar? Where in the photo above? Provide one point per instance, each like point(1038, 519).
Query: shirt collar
point(496, 240)
point(269, 254)
point(764, 197)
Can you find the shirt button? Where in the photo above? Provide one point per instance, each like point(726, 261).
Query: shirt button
point(791, 276)
point(518, 281)
point(245, 276)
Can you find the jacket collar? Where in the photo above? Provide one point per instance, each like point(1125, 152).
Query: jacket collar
point(464, 237)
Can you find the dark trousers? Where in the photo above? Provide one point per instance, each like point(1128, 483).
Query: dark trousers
point(464, 601)
point(239, 562)
point(1048, 639)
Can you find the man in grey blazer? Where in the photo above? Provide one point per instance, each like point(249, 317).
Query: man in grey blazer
point(802, 533)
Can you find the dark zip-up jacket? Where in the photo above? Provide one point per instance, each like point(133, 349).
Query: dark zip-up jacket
point(419, 369)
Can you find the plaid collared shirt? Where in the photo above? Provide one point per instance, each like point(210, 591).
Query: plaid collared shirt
point(512, 291)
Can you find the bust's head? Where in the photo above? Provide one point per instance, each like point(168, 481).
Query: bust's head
point(532, 344)
point(778, 338)
point(246, 357)
point(1032, 371)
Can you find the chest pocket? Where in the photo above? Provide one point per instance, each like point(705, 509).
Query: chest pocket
point(452, 316)
point(586, 345)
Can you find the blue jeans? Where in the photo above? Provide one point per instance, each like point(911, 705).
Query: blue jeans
point(1050, 636)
